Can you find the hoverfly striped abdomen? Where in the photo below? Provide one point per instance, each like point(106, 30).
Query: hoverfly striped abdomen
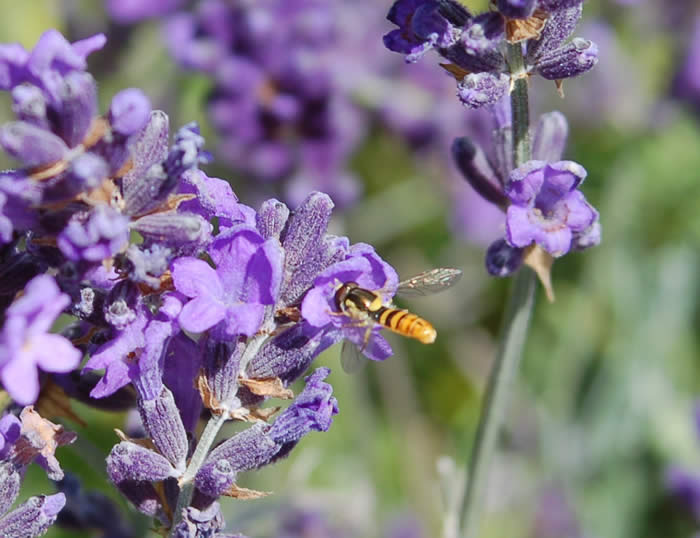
point(405, 323)
point(365, 306)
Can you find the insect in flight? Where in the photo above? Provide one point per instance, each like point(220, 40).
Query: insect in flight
point(367, 309)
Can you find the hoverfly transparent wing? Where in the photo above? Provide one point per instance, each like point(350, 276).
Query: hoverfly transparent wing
point(429, 282)
point(351, 358)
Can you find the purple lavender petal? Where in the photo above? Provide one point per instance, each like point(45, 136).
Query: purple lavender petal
point(24, 337)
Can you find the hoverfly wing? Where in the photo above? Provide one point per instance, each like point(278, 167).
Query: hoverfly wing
point(429, 282)
point(351, 358)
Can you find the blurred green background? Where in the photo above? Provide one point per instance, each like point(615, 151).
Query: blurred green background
point(611, 370)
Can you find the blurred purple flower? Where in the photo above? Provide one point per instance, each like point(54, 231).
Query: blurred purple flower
point(25, 343)
point(685, 485)
point(127, 11)
point(686, 84)
point(276, 98)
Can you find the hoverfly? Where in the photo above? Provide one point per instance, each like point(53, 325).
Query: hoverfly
point(366, 308)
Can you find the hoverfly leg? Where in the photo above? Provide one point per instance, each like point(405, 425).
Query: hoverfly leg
point(368, 333)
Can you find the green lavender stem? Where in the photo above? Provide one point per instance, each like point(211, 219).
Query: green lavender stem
point(206, 440)
point(513, 335)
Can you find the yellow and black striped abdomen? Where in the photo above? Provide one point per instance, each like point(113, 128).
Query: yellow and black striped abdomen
point(404, 323)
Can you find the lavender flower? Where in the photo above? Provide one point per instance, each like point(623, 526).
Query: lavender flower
point(365, 268)
point(25, 343)
point(547, 208)
point(23, 441)
point(258, 287)
point(473, 45)
point(247, 277)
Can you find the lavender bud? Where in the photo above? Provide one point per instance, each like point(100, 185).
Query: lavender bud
point(140, 185)
point(143, 496)
point(30, 144)
point(478, 48)
point(129, 461)
point(119, 307)
point(289, 354)
point(171, 227)
point(86, 172)
point(221, 368)
point(78, 97)
point(33, 517)
point(453, 11)
point(553, 5)
point(29, 105)
point(162, 421)
point(479, 89)
point(10, 482)
point(271, 218)
point(129, 112)
point(550, 137)
point(559, 27)
point(250, 449)
point(502, 259)
point(475, 168)
point(306, 226)
point(568, 61)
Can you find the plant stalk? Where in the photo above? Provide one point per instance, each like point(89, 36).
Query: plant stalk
point(206, 440)
point(513, 332)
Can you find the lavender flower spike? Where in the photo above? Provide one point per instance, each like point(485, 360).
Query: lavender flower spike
point(547, 208)
point(32, 518)
point(260, 445)
point(25, 343)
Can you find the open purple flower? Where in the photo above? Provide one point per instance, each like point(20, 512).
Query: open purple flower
point(247, 277)
point(547, 208)
point(25, 343)
point(364, 267)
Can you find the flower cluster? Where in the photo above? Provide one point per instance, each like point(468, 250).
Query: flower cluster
point(105, 222)
point(546, 215)
point(473, 46)
point(24, 440)
point(541, 200)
